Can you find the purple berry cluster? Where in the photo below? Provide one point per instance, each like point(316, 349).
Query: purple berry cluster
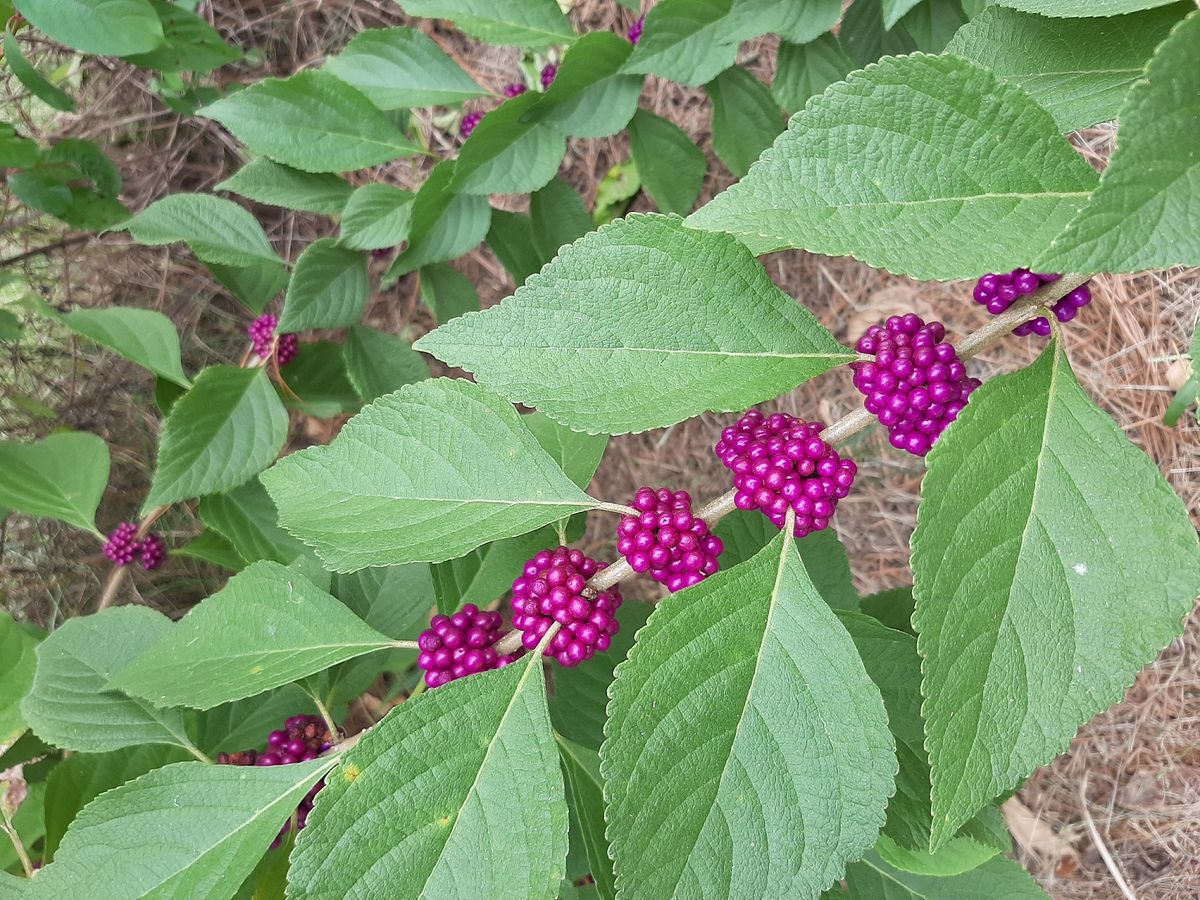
point(667, 540)
point(262, 336)
point(549, 71)
point(463, 644)
point(553, 588)
point(779, 463)
point(302, 738)
point(469, 122)
point(917, 385)
point(122, 547)
point(635, 30)
point(997, 293)
point(516, 89)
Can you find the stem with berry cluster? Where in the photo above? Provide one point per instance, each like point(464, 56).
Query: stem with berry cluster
point(1032, 306)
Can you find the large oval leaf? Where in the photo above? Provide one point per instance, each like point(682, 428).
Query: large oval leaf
point(103, 27)
point(226, 429)
point(746, 716)
point(142, 336)
point(329, 288)
point(1051, 562)
point(457, 793)
point(62, 476)
point(218, 231)
point(641, 324)
point(924, 165)
point(422, 475)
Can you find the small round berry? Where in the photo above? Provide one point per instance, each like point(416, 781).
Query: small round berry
point(469, 123)
point(553, 588)
point(667, 540)
point(779, 463)
point(121, 546)
point(459, 645)
point(917, 385)
point(152, 551)
point(549, 71)
point(635, 30)
point(515, 89)
point(262, 337)
point(997, 293)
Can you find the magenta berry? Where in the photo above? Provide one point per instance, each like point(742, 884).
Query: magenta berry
point(635, 30)
point(121, 546)
point(152, 551)
point(998, 292)
point(515, 89)
point(553, 588)
point(549, 71)
point(262, 336)
point(917, 385)
point(460, 645)
point(469, 122)
point(667, 541)
point(302, 738)
point(779, 463)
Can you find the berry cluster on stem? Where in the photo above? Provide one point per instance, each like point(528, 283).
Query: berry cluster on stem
point(123, 546)
point(461, 644)
point(997, 292)
point(265, 344)
point(667, 540)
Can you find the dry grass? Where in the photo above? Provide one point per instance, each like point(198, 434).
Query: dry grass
point(1135, 770)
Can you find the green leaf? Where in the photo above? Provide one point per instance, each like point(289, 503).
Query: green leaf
point(671, 167)
point(217, 230)
point(311, 121)
point(15, 151)
point(422, 475)
point(999, 877)
point(865, 39)
point(932, 23)
point(830, 184)
point(523, 23)
point(958, 855)
point(894, 11)
point(269, 182)
point(805, 70)
point(558, 218)
point(62, 477)
point(578, 453)
point(686, 41)
point(380, 363)
point(220, 820)
point(590, 96)
point(892, 663)
point(745, 118)
point(243, 723)
point(639, 325)
point(579, 704)
point(1077, 69)
point(391, 599)
point(90, 162)
point(615, 192)
point(82, 777)
point(17, 665)
point(11, 327)
point(1082, 8)
point(247, 518)
point(318, 383)
point(1184, 398)
point(396, 68)
point(506, 154)
point(28, 826)
point(1038, 518)
point(142, 336)
point(744, 712)
point(102, 27)
point(746, 532)
point(447, 292)
point(445, 224)
point(225, 430)
point(1143, 215)
point(192, 45)
point(376, 216)
point(267, 627)
point(70, 704)
point(893, 608)
point(511, 239)
point(211, 546)
point(255, 286)
point(582, 769)
point(414, 809)
point(329, 288)
point(796, 22)
point(32, 78)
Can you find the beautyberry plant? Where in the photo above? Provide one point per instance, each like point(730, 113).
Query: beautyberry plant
point(471, 708)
